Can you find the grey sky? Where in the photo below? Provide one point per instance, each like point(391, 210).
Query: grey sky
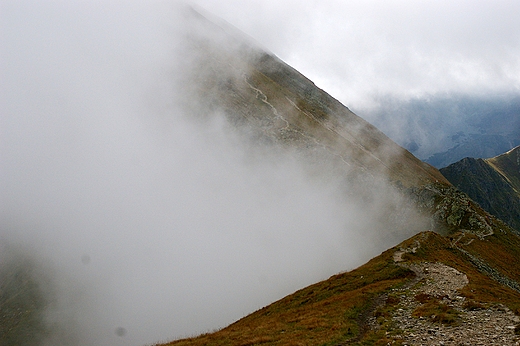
point(357, 50)
point(183, 233)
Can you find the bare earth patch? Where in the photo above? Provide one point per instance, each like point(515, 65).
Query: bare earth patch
point(431, 310)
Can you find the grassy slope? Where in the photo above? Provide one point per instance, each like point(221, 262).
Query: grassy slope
point(326, 312)
point(333, 311)
point(321, 116)
point(508, 165)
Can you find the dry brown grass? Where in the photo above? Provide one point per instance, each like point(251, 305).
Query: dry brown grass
point(331, 311)
point(319, 314)
point(433, 308)
point(500, 251)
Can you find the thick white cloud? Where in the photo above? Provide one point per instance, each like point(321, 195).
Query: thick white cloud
point(144, 220)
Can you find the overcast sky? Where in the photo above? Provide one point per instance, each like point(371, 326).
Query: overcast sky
point(360, 50)
point(156, 225)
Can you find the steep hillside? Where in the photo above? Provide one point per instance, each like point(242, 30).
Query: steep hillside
point(508, 165)
point(493, 183)
point(455, 285)
point(259, 93)
point(278, 110)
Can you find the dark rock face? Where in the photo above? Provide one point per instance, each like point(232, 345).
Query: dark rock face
point(489, 185)
point(452, 210)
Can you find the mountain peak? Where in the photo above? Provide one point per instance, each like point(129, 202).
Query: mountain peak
point(255, 89)
point(493, 183)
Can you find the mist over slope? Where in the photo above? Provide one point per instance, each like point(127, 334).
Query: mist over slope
point(442, 129)
point(148, 214)
point(458, 289)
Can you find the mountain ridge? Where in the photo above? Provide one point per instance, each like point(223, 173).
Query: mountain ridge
point(429, 287)
point(494, 183)
point(432, 286)
point(256, 89)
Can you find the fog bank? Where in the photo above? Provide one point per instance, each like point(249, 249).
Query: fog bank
point(142, 224)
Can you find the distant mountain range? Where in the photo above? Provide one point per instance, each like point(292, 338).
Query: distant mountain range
point(475, 145)
point(442, 130)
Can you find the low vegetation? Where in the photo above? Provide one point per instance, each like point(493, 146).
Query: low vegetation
point(433, 308)
point(336, 311)
point(325, 313)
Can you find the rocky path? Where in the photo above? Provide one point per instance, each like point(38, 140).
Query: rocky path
point(432, 312)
